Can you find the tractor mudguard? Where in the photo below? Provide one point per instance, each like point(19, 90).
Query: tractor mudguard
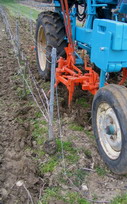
point(109, 45)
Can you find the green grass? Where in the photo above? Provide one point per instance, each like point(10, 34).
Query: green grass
point(88, 153)
point(76, 127)
point(67, 146)
point(101, 171)
point(46, 86)
point(48, 195)
point(73, 197)
point(39, 153)
point(38, 114)
point(70, 154)
point(22, 92)
point(48, 166)
point(72, 158)
point(39, 132)
point(89, 134)
point(77, 176)
point(69, 150)
point(82, 102)
point(17, 9)
point(43, 122)
point(120, 199)
point(94, 197)
point(54, 193)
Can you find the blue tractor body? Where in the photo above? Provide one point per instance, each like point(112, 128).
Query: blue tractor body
point(104, 39)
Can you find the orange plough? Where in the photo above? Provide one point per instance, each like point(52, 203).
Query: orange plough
point(71, 76)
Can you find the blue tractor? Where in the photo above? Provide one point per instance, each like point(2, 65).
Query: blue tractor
point(98, 29)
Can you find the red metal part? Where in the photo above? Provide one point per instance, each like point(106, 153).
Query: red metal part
point(124, 77)
point(71, 76)
point(67, 22)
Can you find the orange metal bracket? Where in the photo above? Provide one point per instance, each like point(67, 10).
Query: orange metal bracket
point(124, 77)
point(71, 76)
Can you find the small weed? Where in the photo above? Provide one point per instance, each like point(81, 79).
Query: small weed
point(38, 136)
point(72, 158)
point(27, 92)
point(76, 127)
point(22, 62)
point(120, 199)
point(29, 149)
point(62, 179)
point(89, 134)
point(49, 166)
point(55, 193)
point(74, 197)
point(101, 171)
point(88, 153)
point(82, 102)
point(49, 194)
point(67, 146)
point(40, 140)
point(39, 153)
point(38, 130)
point(95, 197)
point(38, 115)
point(31, 103)
point(21, 93)
point(69, 150)
point(46, 86)
point(43, 122)
point(20, 121)
point(36, 125)
point(16, 77)
point(77, 176)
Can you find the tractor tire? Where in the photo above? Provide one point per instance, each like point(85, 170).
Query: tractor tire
point(109, 121)
point(50, 32)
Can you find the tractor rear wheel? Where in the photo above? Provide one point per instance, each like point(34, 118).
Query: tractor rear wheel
point(50, 32)
point(109, 120)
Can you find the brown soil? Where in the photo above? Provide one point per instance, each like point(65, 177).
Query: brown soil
point(15, 163)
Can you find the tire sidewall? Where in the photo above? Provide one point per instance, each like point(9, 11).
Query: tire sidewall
point(46, 72)
point(104, 95)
